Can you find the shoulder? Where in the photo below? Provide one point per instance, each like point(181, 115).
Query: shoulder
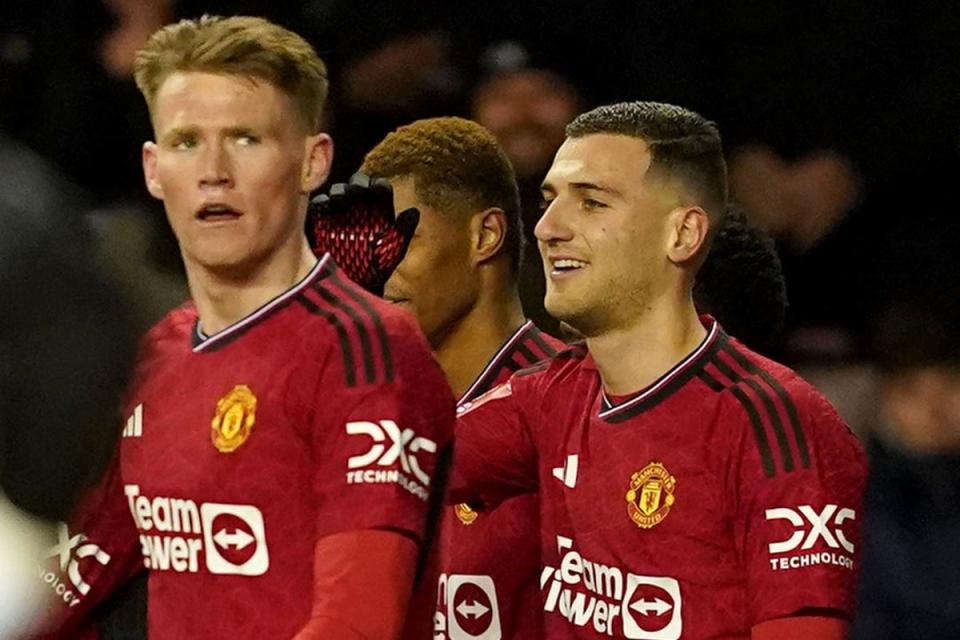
point(532, 381)
point(174, 330)
point(779, 416)
point(567, 360)
point(376, 339)
point(558, 373)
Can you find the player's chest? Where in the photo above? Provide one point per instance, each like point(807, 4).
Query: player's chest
point(654, 482)
point(217, 422)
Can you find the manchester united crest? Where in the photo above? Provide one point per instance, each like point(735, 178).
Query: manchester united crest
point(465, 514)
point(650, 495)
point(233, 419)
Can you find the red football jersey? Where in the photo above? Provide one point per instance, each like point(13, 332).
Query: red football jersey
point(323, 411)
point(490, 560)
point(725, 494)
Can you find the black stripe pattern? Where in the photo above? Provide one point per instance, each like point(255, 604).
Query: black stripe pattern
point(352, 316)
point(520, 357)
point(759, 405)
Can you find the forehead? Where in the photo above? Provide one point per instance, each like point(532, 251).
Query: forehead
point(196, 97)
point(602, 158)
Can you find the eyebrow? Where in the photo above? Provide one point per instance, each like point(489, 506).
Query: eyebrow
point(584, 186)
point(177, 133)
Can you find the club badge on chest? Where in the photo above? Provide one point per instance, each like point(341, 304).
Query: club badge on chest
point(233, 419)
point(650, 495)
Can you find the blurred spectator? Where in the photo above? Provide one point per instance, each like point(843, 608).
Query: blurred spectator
point(527, 110)
point(796, 202)
point(57, 96)
point(912, 528)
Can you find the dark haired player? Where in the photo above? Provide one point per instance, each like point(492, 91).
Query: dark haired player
point(478, 593)
point(459, 278)
point(688, 486)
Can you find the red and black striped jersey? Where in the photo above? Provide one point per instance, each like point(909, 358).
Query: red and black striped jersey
point(323, 411)
point(725, 494)
point(490, 561)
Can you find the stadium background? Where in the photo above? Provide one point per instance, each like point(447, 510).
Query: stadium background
point(840, 123)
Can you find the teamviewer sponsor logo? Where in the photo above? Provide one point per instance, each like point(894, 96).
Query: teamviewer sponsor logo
point(75, 556)
point(468, 609)
point(810, 527)
point(177, 534)
point(391, 458)
point(611, 600)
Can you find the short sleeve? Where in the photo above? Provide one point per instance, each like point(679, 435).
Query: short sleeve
point(96, 551)
point(379, 444)
point(799, 510)
point(495, 457)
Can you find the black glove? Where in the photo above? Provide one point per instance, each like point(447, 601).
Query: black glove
point(355, 223)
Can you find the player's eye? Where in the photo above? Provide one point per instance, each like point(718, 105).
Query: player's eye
point(184, 144)
point(591, 204)
point(246, 140)
point(545, 204)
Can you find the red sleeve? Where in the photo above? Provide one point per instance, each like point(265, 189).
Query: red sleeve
point(798, 530)
point(377, 445)
point(495, 457)
point(96, 552)
point(362, 584)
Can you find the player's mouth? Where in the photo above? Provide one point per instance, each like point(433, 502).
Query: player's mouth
point(563, 267)
point(217, 213)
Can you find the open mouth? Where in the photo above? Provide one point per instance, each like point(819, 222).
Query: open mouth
point(217, 213)
point(567, 265)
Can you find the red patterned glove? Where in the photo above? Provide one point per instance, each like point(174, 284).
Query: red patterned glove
point(355, 223)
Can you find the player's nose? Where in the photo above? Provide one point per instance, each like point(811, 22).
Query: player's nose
point(554, 224)
point(215, 167)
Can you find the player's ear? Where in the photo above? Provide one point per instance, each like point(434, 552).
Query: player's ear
point(317, 159)
point(488, 233)
point(688, 229)
point(149, 159)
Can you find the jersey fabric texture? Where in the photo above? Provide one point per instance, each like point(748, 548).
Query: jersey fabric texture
point(725, 494)
point(321, 412)
point(490, 560)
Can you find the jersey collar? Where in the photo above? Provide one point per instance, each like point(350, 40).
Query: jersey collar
point(669, 382)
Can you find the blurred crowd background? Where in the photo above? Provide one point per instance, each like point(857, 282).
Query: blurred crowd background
point(840, 120)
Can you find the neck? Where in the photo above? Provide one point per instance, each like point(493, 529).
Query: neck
point(633, 357)
point(468, 346)
point(224, 298)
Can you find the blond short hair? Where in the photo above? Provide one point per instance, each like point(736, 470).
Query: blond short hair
point(238, 45)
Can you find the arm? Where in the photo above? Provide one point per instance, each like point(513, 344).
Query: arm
point(798, 530)
point(495, 456)
point(378, 450)
point(362, 584)
point(801, 628)
point(96, 552)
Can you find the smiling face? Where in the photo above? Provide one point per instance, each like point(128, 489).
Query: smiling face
point(436, 280)
point(605, 233)
point(234, 166)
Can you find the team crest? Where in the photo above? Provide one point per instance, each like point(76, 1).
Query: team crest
point(650, 495)
point(465, 514)
point(234, 418)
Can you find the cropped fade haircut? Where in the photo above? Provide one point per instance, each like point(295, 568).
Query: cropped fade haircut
point(458, 168)
point(240, 45)
point(683, 145)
